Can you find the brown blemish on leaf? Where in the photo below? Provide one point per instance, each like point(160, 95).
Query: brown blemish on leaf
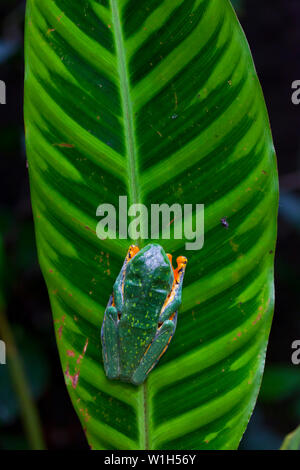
point(176, 100)
point(257, 319)
point(64, 145)
point(74, 378)
point(60, 329)
point(157, 132)
point(82, 225)
point(234, 246)
point(85, 414)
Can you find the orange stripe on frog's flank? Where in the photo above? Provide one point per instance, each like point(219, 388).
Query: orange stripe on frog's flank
point(178, 273)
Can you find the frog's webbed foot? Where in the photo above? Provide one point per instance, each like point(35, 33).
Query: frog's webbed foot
point(118, 286)
point(154, 352)
point(173, 300)
point(110, 348)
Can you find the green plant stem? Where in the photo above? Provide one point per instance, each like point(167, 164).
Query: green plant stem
point(127, 107)
point(146, 417)
point(29, 413)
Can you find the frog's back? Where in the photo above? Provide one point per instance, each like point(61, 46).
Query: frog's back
point(148, 281)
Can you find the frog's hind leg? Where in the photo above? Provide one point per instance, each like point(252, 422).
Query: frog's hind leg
point(118, 286)
point(154, 352)
point(110, 343)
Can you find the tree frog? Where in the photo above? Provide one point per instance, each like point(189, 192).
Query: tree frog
point(141, 315)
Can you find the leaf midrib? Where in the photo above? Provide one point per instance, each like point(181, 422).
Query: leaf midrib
point(132, 165)
point(131, 151)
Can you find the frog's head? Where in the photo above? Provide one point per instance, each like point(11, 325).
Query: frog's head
point(148, 281)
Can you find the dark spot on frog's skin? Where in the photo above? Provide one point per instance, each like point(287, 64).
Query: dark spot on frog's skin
point(224, 222)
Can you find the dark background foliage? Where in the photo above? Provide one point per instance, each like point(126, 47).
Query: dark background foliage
point(273, 31)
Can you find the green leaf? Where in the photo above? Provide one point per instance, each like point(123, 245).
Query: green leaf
point(292, 441)
point(157, 100)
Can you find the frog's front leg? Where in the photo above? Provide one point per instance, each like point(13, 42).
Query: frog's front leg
point(154, 352)
point(173, 300)
point(110, 342)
